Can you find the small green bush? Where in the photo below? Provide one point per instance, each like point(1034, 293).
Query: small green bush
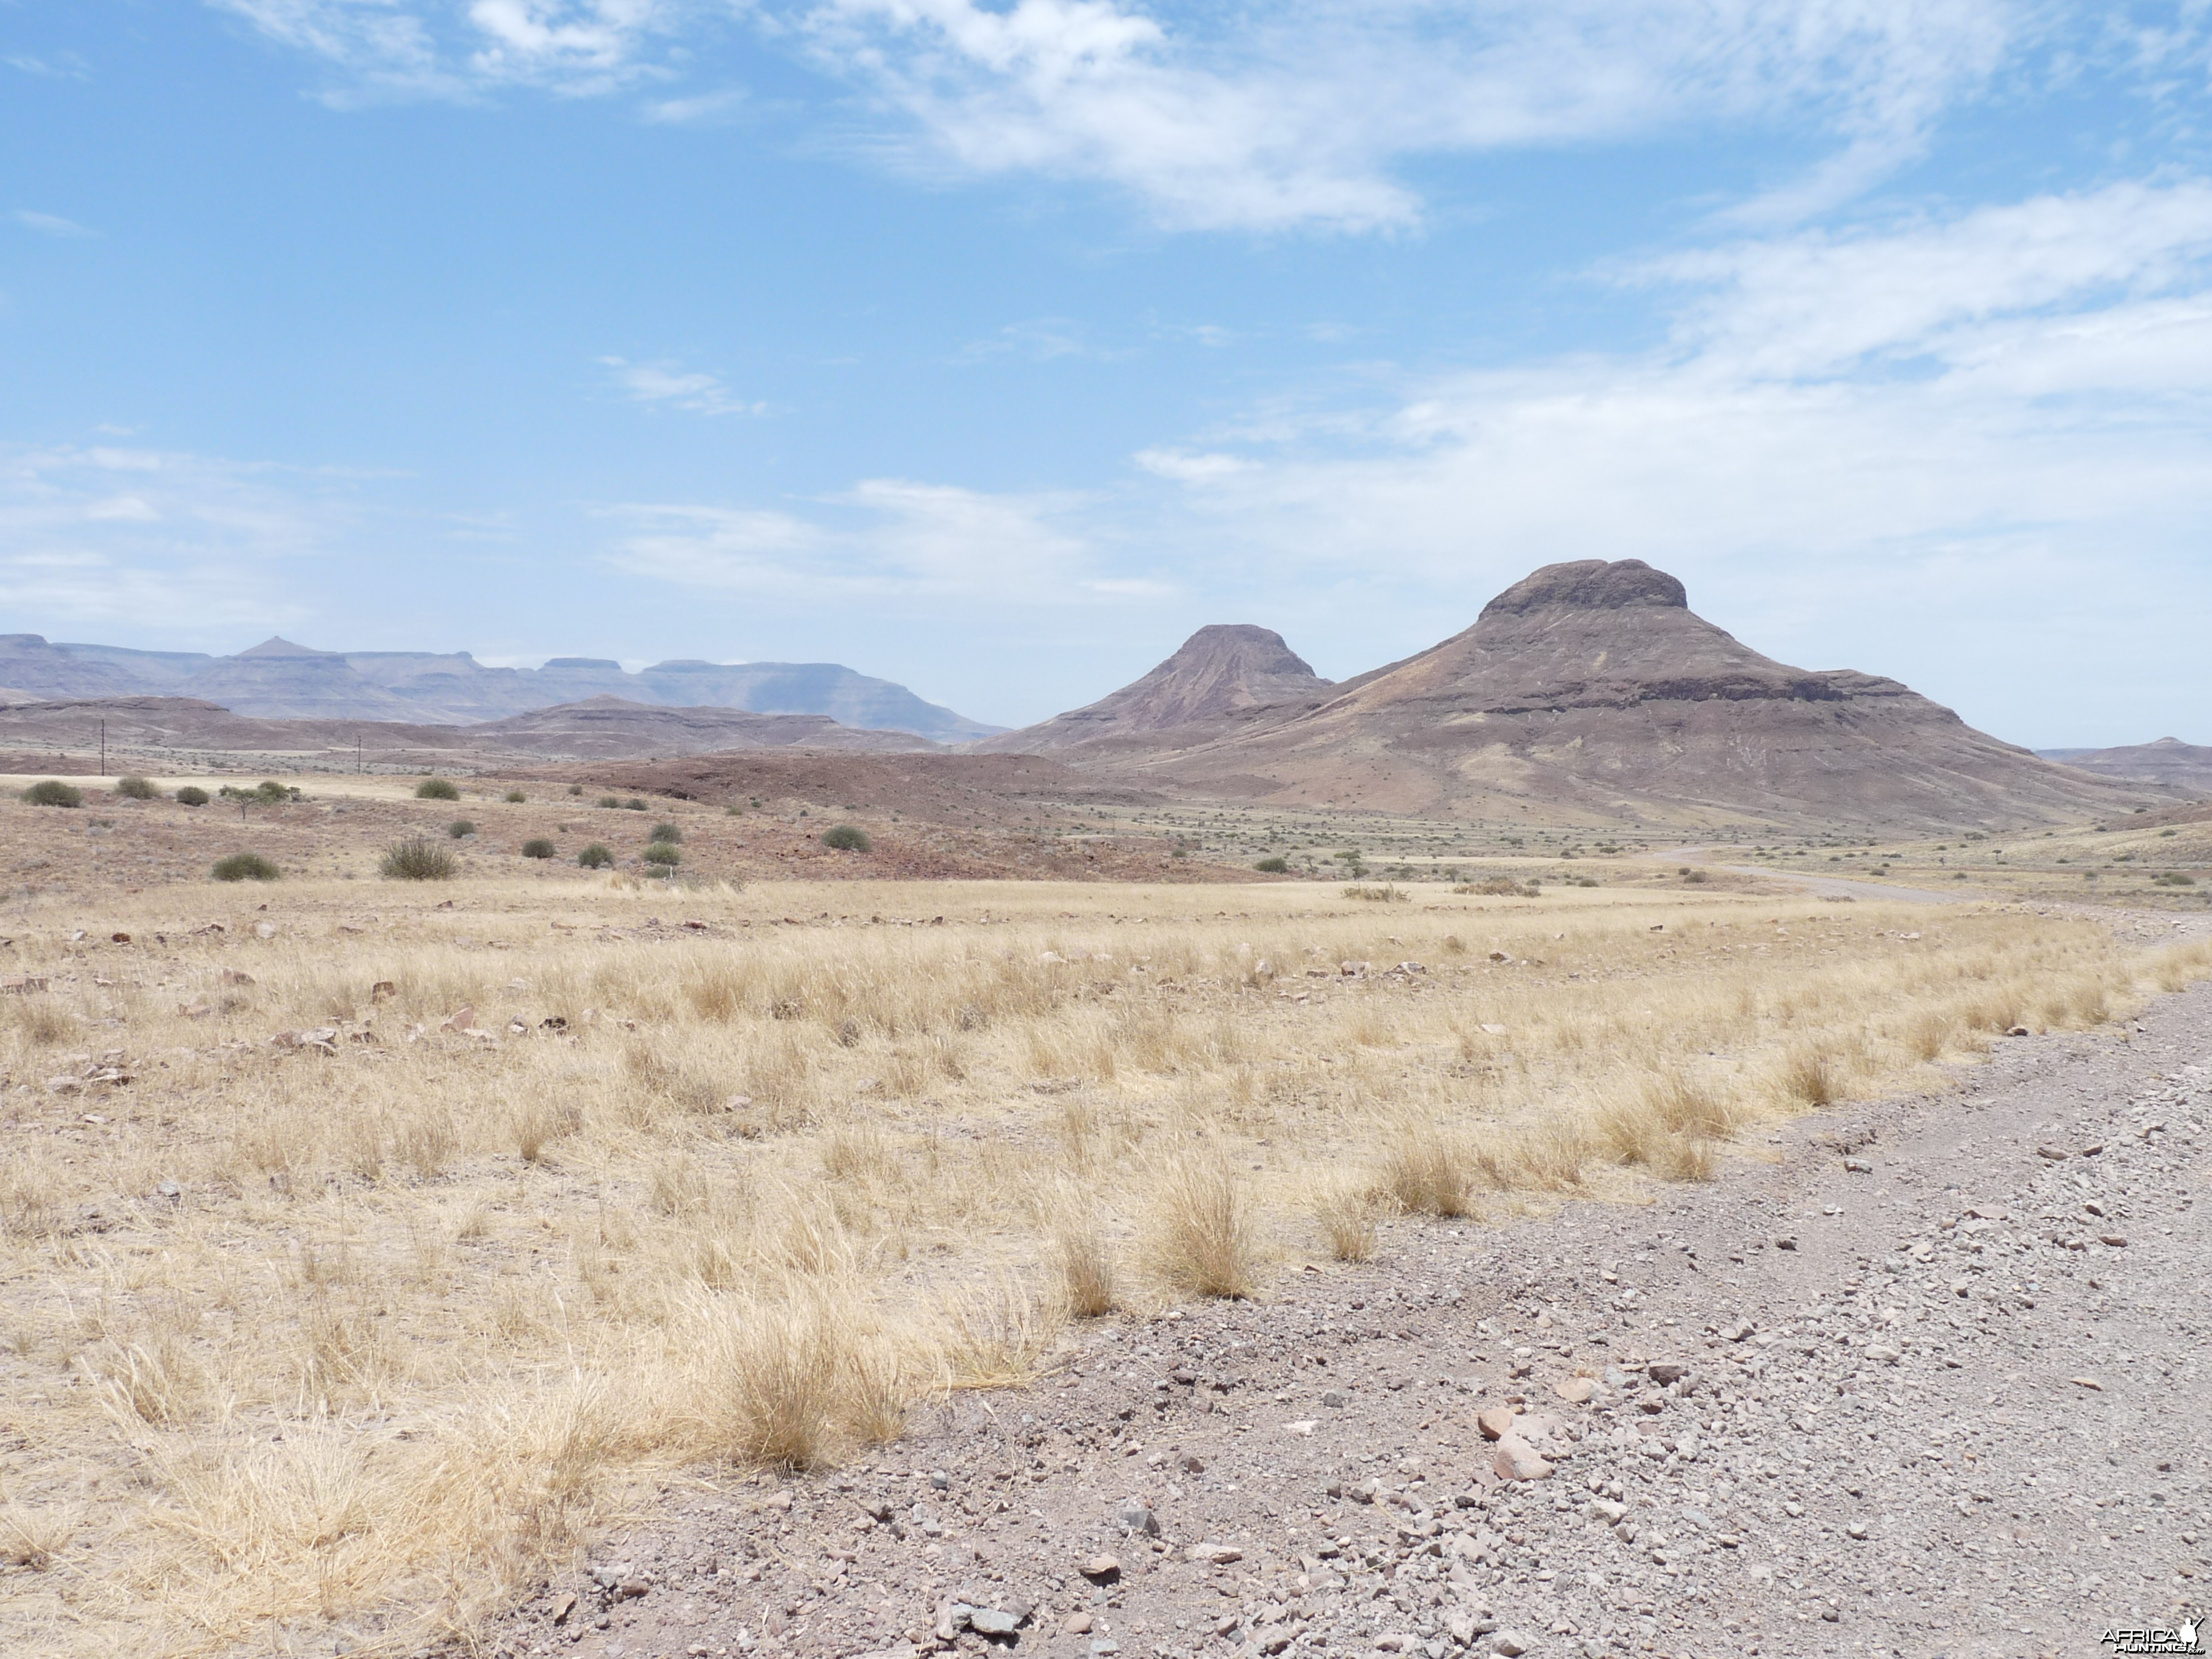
point(460, 828)
point(661, 853)
point(272, 792)
point(1275, 865)
point(733, 811)
point(634, 804)
point(847, 838)
point(667, 832)
point(614, 801)
point(418, 859)
point(2173, 879)
point(575, 788)
point(537, 847)
point(52, 791)
point(135, 787)
point(192, 795)
point(245, 867)
point(436, 789)
point(596, 856)
point(515, 798)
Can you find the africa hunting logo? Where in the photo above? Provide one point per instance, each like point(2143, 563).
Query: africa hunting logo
point(2182, 1637)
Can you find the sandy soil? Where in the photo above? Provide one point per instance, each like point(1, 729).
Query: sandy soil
point(1915, 1378)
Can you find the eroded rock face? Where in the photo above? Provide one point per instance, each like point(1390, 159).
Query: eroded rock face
point(1591, 585)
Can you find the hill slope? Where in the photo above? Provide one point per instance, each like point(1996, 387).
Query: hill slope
point(1590, 692)
point(2169, 761)
point(1220, 671)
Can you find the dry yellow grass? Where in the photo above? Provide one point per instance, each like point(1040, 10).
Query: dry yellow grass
point(351, 1333)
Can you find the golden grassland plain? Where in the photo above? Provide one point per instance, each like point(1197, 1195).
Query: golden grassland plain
point(364, 1245)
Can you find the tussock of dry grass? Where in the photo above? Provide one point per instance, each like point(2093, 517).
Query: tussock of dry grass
point(380, 1330)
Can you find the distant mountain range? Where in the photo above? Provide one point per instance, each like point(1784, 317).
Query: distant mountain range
point(2169, 761)
point(278, 679)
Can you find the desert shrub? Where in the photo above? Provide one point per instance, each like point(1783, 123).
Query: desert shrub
point(135, 787)
point(1085, 1264)
point(537, 847)
point(632, 805)
point(269, 791)
point(192, 795)
point(667, 832)
point(245, 867)
point(418, 859)
point(662, 854)
point(1347, 1219)
point(436, 789)
point(847, 838)
point(1498, 887)
point(733, 811)
point(1388, 892)
point(1427, 1171)
point(1274, 865)
point(2172, 879)
point(1203, 1237)
point(596, 856)
point(515, 798)
point(460, 828)
point(52, 791)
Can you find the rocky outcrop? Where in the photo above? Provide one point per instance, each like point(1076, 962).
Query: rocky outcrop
point(1222, 671)
point(1589, 692)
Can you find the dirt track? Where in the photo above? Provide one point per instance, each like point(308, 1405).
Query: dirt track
point(1929, 1406)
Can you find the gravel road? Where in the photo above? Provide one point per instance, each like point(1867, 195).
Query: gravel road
point(1916, 1379)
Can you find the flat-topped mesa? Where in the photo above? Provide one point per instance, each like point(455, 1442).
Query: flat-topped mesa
point(1591, 585)
point(1221, 670)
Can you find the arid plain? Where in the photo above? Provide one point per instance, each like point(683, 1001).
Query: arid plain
point(372, 1245)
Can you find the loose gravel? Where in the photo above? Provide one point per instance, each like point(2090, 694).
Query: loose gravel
point(1919, 1379)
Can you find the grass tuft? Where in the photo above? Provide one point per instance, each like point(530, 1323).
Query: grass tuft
point(418, 859)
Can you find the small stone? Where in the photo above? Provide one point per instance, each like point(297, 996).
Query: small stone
point(1217, 1555)
point(1857, 1166)
point(1857, 1529)
point(1511, 1643)
point(2113, 1239)
point(1881, 1353)
point(1335, 1399)
point(1102, 1569)
point(265, 930)
point(462, 1019)
point(1989, 1212)
point(1516, 1460)
point(1786, 1243)
point(562, 1607)
point(1575, 1391)
point(1665, 1371)
point(1496, 1422)
point(2016, 1031)
point(2087, 1383)
point(383, 991)
point(1076, 1624)
point(1138, 1518)
point(994, 1621)
point(2051, 1153)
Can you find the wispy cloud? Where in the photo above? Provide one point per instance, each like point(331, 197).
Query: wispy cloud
point(51, 224)
point(702, 109)
point(887, 539)
point(108, 534)
point(666, 386)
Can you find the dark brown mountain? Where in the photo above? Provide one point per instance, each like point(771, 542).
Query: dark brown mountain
point(2178, 765)
point(1590, 692)
point(1220, 671)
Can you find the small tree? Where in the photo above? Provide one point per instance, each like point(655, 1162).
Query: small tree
point(537, 847)
point(135, 787)
point(436, 789)
point(418, 859)
point(596, 856)
point(847, 838)
point(192, 795)
point(245, 867)
point(52, 791)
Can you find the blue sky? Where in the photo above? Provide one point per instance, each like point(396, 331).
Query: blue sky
point(992, 348)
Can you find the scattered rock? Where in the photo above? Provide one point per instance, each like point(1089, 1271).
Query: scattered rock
point(2087, 1383)
point(1575, 1391)
point(1102, 1569)
point(1511, 1643)
point(1496, 1422)
point(1515, 1459)
point(1138, 1518)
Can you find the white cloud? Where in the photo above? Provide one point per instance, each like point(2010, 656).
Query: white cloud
point(48, 224)
point(450, 48)
point(885, 539)
point(1298, 114)
point(665, 385)
point(117, 536)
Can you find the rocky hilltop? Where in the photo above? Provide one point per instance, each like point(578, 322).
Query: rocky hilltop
point(1218, 672)
point(1590, 692)
point(282, 679)
point(2179, 765)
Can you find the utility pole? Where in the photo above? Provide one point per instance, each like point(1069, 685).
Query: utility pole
point(103, 749)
